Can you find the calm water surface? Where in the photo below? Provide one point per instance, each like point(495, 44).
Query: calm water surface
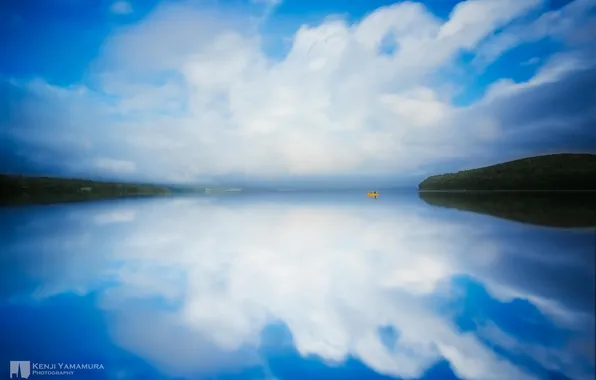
point(293, 286)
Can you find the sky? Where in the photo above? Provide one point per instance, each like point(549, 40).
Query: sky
point(291, 91)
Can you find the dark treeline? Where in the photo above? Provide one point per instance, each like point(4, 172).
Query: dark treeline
point(545, 173)
point(15, 189)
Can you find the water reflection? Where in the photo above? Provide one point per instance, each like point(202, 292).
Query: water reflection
point(296, 286)
point(552, 209)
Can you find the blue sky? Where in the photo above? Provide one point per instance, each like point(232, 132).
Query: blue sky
point(265, 91)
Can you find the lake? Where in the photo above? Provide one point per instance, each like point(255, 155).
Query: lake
point(313, 285)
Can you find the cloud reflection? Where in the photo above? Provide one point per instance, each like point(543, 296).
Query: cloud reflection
point(214, 274)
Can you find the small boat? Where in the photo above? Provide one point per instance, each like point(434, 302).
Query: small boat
point(373, 194)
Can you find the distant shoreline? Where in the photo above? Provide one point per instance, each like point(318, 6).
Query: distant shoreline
point(17, 189)
point(548, 173)
point(24, 190)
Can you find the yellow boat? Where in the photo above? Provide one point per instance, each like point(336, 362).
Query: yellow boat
point(373, 194)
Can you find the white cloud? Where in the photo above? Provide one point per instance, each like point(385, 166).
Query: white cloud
point(332, 105)
point(115, 166)
point(471, 21)
point(565, 24)
point(531, 61)
point(121, 7)
point(555, 68)
point(189, 93)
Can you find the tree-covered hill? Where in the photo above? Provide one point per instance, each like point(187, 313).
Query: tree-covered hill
point(549, 172)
